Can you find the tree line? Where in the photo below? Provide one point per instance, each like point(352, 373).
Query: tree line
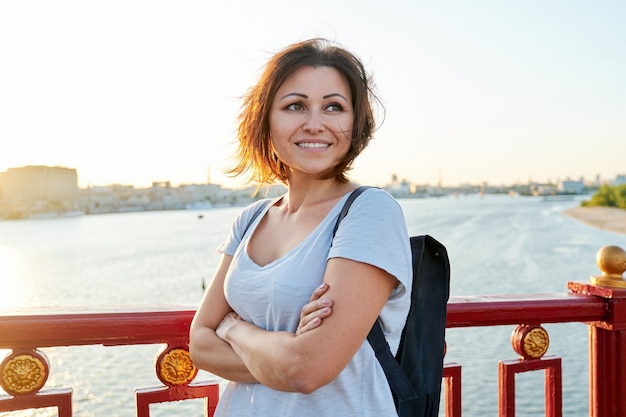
point(608, 196)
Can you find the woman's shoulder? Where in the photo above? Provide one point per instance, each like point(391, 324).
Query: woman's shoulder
point(376, 197)
point(257, 205)
point(373, 209)
point(242, 223)
point(253, 210)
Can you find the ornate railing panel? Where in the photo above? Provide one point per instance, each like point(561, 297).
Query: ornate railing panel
point(24, 372)
point(25, 331)
point(602, 305)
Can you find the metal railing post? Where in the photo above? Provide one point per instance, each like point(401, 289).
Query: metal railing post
point(607, 338)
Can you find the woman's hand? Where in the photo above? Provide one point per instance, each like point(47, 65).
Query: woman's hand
point(312, 314)
point(226, 324)
point(315, 310)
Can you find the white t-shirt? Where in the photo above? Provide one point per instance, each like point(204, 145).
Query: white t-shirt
point(272, 296)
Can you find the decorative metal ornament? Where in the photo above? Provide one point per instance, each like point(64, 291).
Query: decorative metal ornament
point(175, 367)
point(612, 262)
point(24, 372)
point(530, 341)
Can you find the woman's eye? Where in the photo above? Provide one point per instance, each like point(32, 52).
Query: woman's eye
point(334, 107)
point(294, 107)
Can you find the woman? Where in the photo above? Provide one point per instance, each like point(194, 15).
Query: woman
point(260, 322)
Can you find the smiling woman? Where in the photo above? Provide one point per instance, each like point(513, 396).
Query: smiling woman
point(284, 270)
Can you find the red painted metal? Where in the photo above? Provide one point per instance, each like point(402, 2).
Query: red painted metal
point(46, 327)
point(28, 329)
point(527, 308)
point(170, 326)
point(452, 389)
point(59, 398)
point(209, 390)
point(82, 326)
point(607, 379)
point(607, 353)
point(553, 384)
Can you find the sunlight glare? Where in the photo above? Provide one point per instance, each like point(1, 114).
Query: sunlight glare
point(10, 284)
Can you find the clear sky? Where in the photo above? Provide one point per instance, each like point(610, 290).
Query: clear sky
point(135, 91)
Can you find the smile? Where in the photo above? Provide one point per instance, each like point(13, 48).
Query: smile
point(313, 145)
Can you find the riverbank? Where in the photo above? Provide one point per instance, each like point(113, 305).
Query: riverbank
point(605, 218)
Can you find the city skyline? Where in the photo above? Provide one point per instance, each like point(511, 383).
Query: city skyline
point(139, 92)
point(390, 180)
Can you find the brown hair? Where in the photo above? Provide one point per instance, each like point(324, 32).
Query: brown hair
point(255, 154)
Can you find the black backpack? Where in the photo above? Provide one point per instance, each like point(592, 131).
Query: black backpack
point(415, 373)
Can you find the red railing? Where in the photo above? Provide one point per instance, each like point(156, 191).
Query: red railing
point(24, 371)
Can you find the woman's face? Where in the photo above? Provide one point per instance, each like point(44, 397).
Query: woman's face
point(311, 120)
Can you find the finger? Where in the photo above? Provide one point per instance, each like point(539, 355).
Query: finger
point(315, 305)
point(319, 291)
point(309, 326)
point(313, 320)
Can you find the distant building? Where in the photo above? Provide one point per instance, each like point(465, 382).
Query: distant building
point(571, 186)
point(620, 179)
point(35, 183)
point(33, 191)
point(399, 188)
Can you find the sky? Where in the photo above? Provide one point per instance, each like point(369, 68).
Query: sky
point(135, 91)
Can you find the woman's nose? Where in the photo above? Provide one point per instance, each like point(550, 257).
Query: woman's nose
point(313, 123)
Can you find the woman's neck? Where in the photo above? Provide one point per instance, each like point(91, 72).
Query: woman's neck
point(314, 192)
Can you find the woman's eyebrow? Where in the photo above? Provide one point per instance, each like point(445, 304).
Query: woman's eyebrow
point(294, 94)
point(334, 95)
point(305, 96)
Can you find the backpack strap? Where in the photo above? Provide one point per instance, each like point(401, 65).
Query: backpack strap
point(399, 383)
point(344, 211)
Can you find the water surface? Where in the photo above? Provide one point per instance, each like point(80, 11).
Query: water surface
point(497, 245)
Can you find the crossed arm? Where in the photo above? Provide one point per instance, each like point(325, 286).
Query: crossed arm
point(229, 347)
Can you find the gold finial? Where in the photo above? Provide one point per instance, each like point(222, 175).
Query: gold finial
point(612, 262)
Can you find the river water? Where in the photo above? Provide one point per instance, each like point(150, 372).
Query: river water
point(497, 245)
